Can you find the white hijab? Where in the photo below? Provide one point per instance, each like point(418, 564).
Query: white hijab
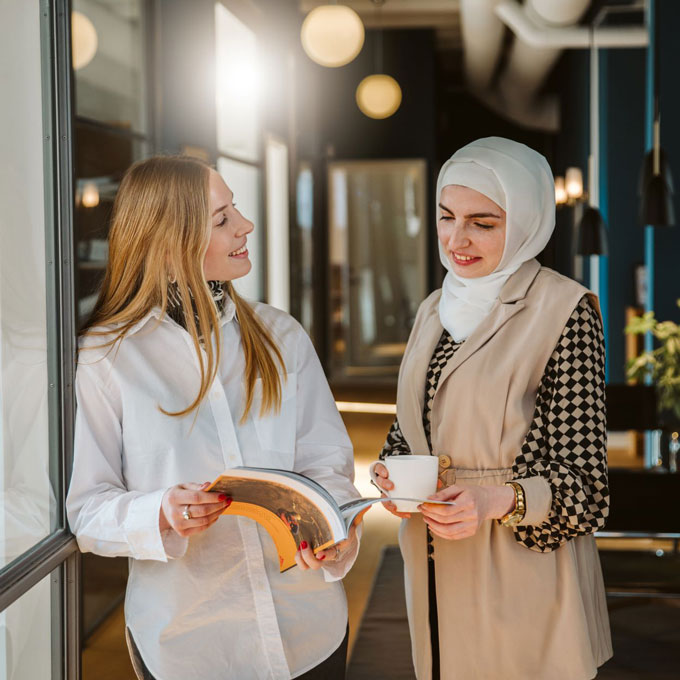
point(519, 180)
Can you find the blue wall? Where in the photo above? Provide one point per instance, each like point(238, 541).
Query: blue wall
point(623, 90)
point(667, 241)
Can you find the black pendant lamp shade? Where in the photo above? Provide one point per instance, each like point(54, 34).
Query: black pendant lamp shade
point(647, 170)
point(656, 182)
point(656, 191)
point(656, 204)
point(592, 239)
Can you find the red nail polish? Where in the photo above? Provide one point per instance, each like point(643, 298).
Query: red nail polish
point(222, 497)
point(303, 545)
point(298, 548)
point(322, 557)
point(229, 501)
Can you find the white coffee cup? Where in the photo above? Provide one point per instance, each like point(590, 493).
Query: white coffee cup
point(413, 477)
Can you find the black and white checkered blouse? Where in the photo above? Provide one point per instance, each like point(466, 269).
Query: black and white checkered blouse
point(566, 442)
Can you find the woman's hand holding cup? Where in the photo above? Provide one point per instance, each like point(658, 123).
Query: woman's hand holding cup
point(382, 479)
point(407, 479)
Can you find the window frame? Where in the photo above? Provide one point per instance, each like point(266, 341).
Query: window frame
point(58, 552)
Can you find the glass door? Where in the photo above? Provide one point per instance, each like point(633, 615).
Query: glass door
point(378, 255)
point(38, 556)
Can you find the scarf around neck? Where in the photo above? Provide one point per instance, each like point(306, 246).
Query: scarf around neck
point(176, 310)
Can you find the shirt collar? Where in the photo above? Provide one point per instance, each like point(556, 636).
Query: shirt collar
point(228, 314)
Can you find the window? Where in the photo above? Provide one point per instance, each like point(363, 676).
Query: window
point(37, 604)
point(238, 134)
point(109, 62)
point(28, 511)
point(278, 250)
point(244, 181)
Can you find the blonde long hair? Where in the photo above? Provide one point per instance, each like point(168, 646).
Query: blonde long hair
point(159, 232)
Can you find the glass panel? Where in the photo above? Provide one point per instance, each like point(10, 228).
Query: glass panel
point(27, 504)
point(304, 210)
point(109, 63)
point(244, 181)
point(26, 633)
point(237, 86)
point(278, 248)
point(101, 158)
point(378, 246)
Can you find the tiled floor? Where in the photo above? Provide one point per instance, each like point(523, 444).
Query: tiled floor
point(105, 657)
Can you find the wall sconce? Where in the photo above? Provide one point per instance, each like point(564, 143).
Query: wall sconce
point(90, 195)
point(560, 191)
point(574, 183)
point(569, 189)
point(332, 35)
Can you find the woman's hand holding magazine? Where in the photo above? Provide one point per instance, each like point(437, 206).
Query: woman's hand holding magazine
point(306, 559)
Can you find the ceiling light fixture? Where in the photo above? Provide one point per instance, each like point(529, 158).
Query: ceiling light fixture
point(332, 35)
point(378, 96)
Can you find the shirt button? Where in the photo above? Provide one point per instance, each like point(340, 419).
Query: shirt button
point(444, 461)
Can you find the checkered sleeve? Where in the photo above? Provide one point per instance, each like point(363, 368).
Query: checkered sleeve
point(395, 444)
point(566, 444)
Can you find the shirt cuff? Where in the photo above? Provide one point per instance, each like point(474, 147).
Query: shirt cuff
point(336, 570)
point(142, 529)
point(174, 544)
point(538, 499)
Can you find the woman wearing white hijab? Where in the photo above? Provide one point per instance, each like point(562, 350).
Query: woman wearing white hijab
point(503, 379)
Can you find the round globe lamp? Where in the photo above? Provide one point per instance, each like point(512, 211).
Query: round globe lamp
point(332, 35)
point(84, 40)
point(378, 96)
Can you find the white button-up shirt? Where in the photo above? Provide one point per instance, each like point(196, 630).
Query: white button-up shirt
point(214, 605)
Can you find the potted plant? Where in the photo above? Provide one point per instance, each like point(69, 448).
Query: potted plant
point(662, 366)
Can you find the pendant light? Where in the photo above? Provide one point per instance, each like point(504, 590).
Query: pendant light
point(592, 237)
point(332, 35)
point(592, 231)
point(656, 181)
point(378, 96)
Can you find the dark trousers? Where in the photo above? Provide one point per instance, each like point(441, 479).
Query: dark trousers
point(333, 668)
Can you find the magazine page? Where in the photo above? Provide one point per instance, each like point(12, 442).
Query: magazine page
point(354, 507)
point(289, 509)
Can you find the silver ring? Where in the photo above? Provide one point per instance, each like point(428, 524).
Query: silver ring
point(186, 514)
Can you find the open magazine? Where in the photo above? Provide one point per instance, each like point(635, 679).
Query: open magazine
point(292, 508)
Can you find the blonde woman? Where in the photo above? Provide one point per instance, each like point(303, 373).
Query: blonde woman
point(179, 379)
point(503, 380)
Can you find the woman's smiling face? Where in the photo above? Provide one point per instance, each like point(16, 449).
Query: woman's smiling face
point(471, 229)
point(227, 255)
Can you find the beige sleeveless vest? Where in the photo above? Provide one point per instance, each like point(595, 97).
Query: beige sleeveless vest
point(505, 612)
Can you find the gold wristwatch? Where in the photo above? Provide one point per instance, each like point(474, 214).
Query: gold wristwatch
point(514, 517)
